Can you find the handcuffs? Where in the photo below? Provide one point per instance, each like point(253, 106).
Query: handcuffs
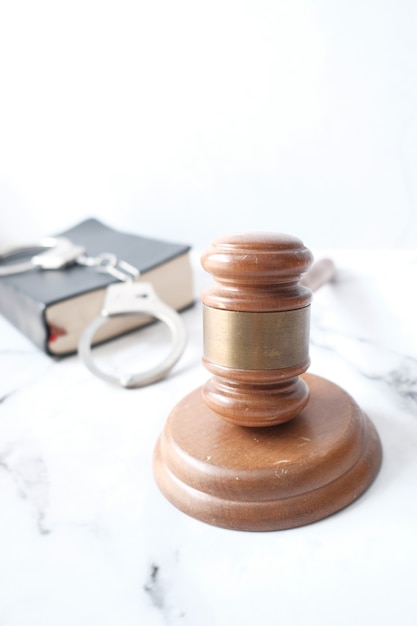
point(128, 297)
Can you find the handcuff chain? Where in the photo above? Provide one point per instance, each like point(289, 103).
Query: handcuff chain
point(108, 263)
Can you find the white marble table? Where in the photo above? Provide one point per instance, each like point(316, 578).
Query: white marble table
point(86, 538)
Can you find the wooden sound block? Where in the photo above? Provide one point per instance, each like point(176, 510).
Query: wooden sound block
point(267, 478)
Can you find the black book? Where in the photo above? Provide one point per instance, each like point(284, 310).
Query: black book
point(52, 307)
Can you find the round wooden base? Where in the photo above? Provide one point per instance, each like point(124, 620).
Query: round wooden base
point(261, 479)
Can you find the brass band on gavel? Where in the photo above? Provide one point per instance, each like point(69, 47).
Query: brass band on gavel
point(256, 340)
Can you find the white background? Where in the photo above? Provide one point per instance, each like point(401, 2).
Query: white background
point(187, 120)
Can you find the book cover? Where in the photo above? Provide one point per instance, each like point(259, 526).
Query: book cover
point(52, 307)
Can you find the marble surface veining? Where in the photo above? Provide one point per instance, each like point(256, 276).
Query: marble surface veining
point(86, 538)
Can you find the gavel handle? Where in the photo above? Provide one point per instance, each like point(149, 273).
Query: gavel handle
point(320, 273)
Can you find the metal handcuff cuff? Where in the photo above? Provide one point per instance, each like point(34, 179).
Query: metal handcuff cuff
point(128, 297)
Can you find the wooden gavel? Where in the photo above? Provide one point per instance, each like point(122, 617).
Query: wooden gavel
point(262, 445)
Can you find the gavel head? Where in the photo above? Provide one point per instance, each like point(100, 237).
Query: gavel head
point(256, 328)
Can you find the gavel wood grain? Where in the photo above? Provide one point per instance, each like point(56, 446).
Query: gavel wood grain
point(263, 445)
